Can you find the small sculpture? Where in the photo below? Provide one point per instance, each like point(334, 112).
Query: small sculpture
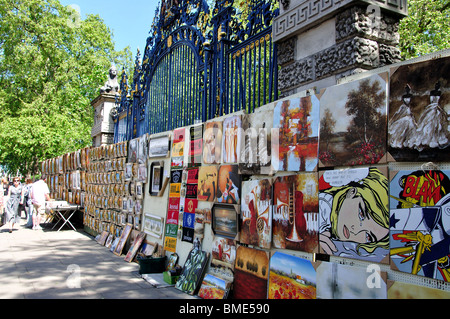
point(112, 85)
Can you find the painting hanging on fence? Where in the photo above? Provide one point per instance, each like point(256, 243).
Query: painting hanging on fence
point(336, 281)
point(354, 213)
point(419, 106)
point(353, 122)
point(207, 183)
point(291, 277)
point(295, 214)
point(256, 212)
point(420, 232)
point(228, 185)
point(296, 144)
point(232, 127)
point(212, 143)
point(251, 273)
point(193, 271)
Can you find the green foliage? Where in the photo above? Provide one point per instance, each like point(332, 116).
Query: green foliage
point(426, 29)
point(52, 64)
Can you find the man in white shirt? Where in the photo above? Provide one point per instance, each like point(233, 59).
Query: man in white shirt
point(39, 194)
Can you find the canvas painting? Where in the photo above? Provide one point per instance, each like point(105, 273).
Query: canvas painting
point(228, 185)
point(251, 273)
point(214, 288)
point(401, 290)
point(223, 256)
point(291, 277)
point(225, 220)
point(419, 108)
point(353, 122)
point(256, 213)
point(295, 214)
point(212, 143)
point(420, 233)
point(178, 152)
point(232, 127)
point(207, 183)
point(354, 213)
point(196, 145)
point(295, 147)
point(336, 281)
point(193, 270)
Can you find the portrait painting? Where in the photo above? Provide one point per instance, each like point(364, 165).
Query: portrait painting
point(295, 147)
point(420, 219)
point(419, 108)
point(256, 213)
point(228, 185)
point(291, 277)
point(353, 122)
point(354, 213)
point(295, 213)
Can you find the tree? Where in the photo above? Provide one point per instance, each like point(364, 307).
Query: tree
point(327, 127)
point(426, 29)
point(51, 67)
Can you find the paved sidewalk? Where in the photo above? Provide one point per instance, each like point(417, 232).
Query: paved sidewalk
point(45, 264)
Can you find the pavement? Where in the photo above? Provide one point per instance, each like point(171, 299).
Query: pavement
point(46, 264)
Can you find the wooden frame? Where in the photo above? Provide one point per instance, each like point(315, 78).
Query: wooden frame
point(135, 247)
point(156, 178)
point(225, 220)
point(123, 239)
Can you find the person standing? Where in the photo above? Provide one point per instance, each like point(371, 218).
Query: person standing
point(27, 202)
point(12, 205)
point(39, 194)
point(2, 195)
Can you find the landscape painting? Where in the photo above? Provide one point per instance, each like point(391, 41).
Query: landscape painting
point(295, 147)
point(251, 273)
point(295, 215)
point(256, 213)
point(419, 108)
point(291, 277)
point(353, 122)
point(419, 232)
point(214, 288)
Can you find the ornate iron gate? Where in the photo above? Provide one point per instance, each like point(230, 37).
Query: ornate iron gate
point(195, 68)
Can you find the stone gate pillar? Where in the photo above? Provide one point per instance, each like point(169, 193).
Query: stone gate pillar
point(321, 41)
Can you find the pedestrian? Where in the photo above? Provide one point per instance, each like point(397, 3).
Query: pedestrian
point(12, 205)
point(27, 202)
point(39, 194)
point(2, 196)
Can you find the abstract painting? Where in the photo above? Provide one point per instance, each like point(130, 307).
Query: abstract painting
point(251, 273)
point(295, 147)
point(420, 223)
point(256, 213)
point(291, 277)
point(353, 122)
point(295, 214)
point(354, 213)
point(419, 106)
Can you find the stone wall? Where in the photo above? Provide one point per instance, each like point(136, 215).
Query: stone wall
point(335, 39)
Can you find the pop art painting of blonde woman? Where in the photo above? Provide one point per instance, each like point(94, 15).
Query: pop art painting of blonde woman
point(354, 214)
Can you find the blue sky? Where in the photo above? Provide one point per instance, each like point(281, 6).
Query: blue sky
point(130, 21)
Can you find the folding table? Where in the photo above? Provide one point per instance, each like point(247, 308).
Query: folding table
point(63, 212)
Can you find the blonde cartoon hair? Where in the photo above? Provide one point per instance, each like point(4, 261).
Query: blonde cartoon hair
point(374, 191)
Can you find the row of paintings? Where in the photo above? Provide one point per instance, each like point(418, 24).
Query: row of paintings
point(358, 213)
point(396, 116)
point(283, 276)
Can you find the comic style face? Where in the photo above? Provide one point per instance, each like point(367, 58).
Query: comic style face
point(355, 223)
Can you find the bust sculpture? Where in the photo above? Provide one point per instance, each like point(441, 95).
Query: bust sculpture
point(112, 85)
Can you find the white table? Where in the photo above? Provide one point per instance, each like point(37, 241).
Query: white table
point(63, 211)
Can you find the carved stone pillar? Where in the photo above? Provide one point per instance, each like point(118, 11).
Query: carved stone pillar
point(321, 41)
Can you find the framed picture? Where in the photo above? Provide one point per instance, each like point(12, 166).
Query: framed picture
point(156, 178)
point(159, 146)
point(123, 239)
point(225, 220)
point(135, 247)
point(154, 225)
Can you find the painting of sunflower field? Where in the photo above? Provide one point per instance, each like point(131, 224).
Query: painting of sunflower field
point(291, 277)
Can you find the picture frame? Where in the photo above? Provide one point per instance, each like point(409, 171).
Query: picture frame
point(153, 225)
point(225, 220)
point(156, 178)
point(159, 146)
point(135, 247)
point(123, 239)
